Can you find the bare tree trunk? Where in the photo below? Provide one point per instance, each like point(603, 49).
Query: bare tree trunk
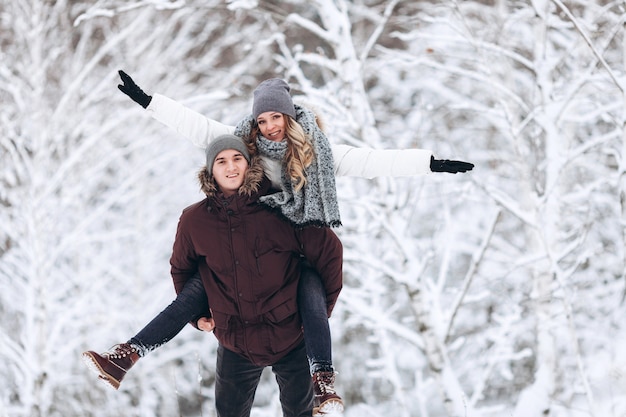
point(452, 394)
point(622, 165)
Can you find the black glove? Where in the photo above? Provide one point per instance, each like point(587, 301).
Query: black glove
point(133, 91)
point(445, 165)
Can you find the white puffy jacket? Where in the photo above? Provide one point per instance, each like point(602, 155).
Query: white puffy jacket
point(349, 160)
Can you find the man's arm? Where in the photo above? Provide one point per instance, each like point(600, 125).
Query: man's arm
point(184, 267)
point(184, 260)
point(324, 251)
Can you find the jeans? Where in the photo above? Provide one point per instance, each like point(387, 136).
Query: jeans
point(236, 381)
point(314, 315)
point(191, 303)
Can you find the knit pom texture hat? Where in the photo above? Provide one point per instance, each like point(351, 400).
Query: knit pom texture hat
point(273, 95)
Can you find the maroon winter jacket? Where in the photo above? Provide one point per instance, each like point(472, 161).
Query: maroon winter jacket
point(249, 261)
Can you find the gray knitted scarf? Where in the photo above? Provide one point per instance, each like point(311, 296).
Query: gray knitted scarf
point(315, 204)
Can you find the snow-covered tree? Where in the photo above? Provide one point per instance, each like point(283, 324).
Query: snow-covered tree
point(493, 293)
point(91, 194)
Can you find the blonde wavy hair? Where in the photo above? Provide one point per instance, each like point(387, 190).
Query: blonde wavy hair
point(299, 153)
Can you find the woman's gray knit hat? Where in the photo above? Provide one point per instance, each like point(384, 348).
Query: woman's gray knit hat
point(221, 143)
point(273, 95)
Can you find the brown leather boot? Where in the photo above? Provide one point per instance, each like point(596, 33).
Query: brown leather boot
point(112, 365)
point(326, 399)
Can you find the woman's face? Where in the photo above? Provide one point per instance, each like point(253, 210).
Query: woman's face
point(273, 125)
point(229, 170)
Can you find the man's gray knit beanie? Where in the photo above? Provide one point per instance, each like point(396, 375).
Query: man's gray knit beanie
point(273, 95)
point(221, 143)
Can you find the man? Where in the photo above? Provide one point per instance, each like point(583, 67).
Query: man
point(249, 261)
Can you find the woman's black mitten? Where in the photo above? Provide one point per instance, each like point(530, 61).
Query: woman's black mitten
point(132, 90)
point(445, 165)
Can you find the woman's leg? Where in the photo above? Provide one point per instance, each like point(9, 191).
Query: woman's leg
point(190, 304)
point(314, 315)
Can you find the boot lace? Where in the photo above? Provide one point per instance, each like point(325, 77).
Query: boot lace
point(325, 382)
point(121, 351)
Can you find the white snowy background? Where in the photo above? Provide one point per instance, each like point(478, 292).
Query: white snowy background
point(494, 293)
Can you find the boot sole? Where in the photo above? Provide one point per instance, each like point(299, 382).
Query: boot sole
point(103, 377)
point(332, 406)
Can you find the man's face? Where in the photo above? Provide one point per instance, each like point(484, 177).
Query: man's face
point(272, 125)
point(229, 170)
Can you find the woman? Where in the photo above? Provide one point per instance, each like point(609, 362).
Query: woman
point(301, 163)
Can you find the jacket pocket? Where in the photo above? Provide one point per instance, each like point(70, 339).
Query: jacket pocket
point(284, 326)
point(223, 330)
point(281, 312)
point(262, 247)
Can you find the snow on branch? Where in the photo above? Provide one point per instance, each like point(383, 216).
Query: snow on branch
point(467, 281)
point(584, 35)
point(311, 27)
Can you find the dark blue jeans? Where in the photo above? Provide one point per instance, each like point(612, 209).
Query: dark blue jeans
point(314, 315)
point(191, 304)
point(236, 381)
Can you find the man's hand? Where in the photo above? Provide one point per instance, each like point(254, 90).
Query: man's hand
point(205, 323)
point(133, 91)
point(445, 165)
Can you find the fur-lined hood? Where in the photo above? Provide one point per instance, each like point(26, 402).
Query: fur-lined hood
point(251, 184)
